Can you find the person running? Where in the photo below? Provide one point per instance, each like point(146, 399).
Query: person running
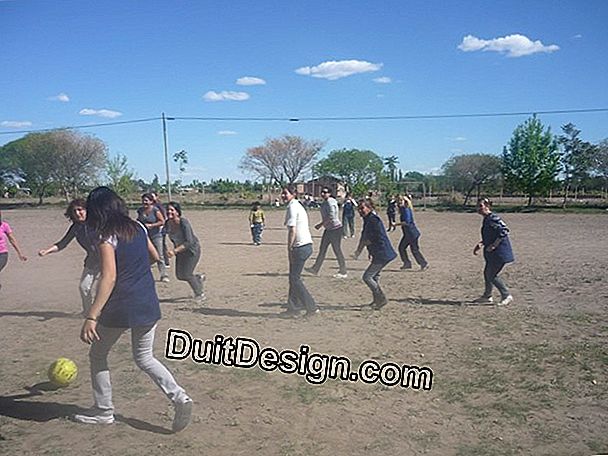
point(6, 233)
point(348, 216)
point(152, 218)
point(186, 249)
point(411, 234)
point(158, 203)
point(380, 250)
point(126, 299)
point(77, 213)
point(497, 252)
point(332, 235)
point(391, 213)
point(299, 249)
point(256, 222)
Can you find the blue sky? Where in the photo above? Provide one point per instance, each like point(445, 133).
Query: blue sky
point(79, 62)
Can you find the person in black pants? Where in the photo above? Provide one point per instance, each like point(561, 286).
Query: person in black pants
point(497, 252)
point(411, 234)
point(186, 249)
point(391, 212)
point(380, 250)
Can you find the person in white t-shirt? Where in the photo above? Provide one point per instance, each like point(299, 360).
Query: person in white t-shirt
point(299, 249)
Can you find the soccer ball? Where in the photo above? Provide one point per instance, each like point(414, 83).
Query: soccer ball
point(62, 372)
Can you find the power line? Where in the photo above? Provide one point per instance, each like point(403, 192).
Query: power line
point(79, 127)
point(399, 117)
point(321, 119)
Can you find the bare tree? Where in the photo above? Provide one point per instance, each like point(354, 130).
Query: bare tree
point(282, 160)
point(79, 160)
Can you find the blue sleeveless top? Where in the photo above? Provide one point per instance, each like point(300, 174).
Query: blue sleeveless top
point(133, 301)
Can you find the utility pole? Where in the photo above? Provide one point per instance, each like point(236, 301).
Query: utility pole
point(166, 155)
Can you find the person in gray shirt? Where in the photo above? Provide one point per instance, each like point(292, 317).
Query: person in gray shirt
point(186, 249)
point(330, 220)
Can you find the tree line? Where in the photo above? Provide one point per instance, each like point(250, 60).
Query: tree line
point(534, 163)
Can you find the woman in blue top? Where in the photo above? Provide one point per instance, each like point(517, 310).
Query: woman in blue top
point(380, 250)
point(410, 235)
point(126, 299)
point(497, 252)
point(77, 213)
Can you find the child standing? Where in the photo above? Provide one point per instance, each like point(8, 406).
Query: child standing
point(256, 222)
point(7, 233)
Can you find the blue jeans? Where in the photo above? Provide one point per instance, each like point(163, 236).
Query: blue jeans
point(490, 275)
point(256, 232)
point(348, 224)
point(299, 297)
point(371, 277)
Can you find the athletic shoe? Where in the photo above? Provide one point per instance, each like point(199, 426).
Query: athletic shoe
point(506, 301)
point(201, 298)
point(406, 266)
point(290, 314)
point(424, 267)
point(94, 416)
point(380, 304)
point(340, 276)
point(312, 271)
point(483, 300)
point(312, 313)
point(165, 279)
point(183, 414)
point(344, 237)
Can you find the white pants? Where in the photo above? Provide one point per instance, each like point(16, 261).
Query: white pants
point(87, 280)
point(142, 341)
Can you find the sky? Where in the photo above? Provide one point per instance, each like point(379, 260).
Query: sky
point(70, 63)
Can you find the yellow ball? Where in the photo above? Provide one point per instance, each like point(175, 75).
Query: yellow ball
point(62, 372)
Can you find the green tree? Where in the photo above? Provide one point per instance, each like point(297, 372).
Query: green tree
point(121, 177)
point(358, 169)
point(469, 172)
point(32, 159)
point(531, 160)
point(599, 161)
point(61, 158)
point(282, 160)
point(577, 158)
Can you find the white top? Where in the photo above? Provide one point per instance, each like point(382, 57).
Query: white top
point(296, 216)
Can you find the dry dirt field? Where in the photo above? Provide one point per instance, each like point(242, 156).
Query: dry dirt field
point(529, 378)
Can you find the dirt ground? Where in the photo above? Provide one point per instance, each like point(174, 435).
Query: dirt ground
point(529, 378)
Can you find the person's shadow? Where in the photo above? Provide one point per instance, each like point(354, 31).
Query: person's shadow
point(17, 407)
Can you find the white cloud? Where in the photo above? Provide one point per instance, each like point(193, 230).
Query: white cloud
point(225, 95)
point(15, 123)
point(107, 113)
point(513, 45)
point(577, 36)
point(459, 138)
point(226, 132)
point(333, 70)
point(63, 97)
point(383, 80)
point(250, 81)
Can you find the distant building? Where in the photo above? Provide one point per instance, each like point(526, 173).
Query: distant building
point(314, 186)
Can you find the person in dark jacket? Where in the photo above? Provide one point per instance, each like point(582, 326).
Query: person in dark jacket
point(497, 252)
point(411, 234)
point(77, 213)
point(186, 249)
point(380, 250)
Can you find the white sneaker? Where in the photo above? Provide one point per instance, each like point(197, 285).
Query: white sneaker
point(183, 414)
point(200, 299)
point(94, 416)
point(506, 301)
point(340, 276)
point(165, 279)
